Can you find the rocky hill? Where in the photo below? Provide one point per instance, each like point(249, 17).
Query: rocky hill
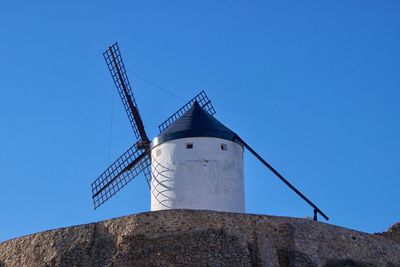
point(202, 238)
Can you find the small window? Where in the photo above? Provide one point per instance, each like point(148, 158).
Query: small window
point(189, 146)
point(224, 147)
point(158, 152)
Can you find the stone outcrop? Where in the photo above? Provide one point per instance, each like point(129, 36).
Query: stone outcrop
point(201, 238)
point(393, 232)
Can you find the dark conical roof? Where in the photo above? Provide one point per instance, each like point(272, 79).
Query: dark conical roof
point(196, 122)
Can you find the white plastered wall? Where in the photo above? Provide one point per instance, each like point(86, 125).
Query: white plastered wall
point(203, 177)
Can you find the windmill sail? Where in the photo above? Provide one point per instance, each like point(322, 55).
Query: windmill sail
point(201, 98)
point(136, 159)
point(118, 73)
point(120, 173)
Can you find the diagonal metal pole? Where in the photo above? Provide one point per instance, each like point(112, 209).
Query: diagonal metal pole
point(316, 209)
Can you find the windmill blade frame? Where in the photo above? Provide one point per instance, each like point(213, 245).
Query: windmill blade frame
point(129, 165)
point(203, 101)
point(119, 75)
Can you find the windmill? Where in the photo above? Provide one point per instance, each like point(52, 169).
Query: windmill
point(195, 162)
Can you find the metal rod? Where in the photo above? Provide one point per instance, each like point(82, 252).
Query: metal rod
point(316, 209)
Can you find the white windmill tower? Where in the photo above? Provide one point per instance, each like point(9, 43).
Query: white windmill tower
point(197, 165)
point(195, 162)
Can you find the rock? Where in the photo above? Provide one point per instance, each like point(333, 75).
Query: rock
point(203, 238)
point(393, 232)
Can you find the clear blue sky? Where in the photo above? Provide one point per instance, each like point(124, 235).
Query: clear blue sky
point(314, 86)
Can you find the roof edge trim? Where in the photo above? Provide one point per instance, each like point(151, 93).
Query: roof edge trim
point(230, 136)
